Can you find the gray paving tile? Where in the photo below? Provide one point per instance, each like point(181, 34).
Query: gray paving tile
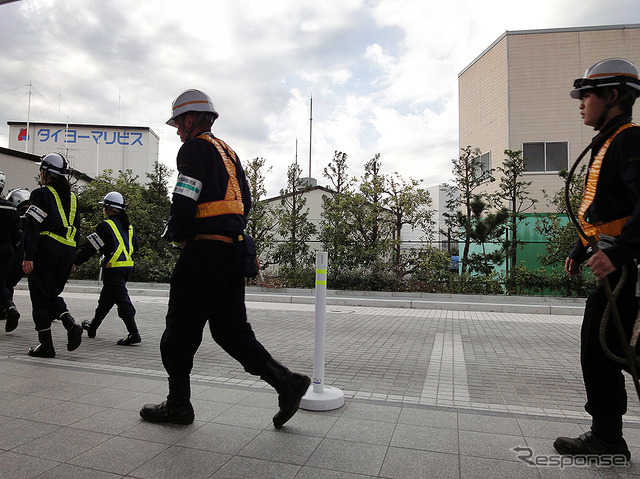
point(482, 468)
point(429, 417)
point(20, 431)
point(372, 411)
point(109, 421)
point(119, 455)
point(248, 467)
point(347, 456)
point(19, 466)
point(221, 438)
point(487, 445)
point(68, 471)
point(362, 430)
point(184, 462)
point(65, 413)
point(488, 423)
point(280, 446)
point(315, 473)
point(247, 416)
point(425, 438)
point(401, 463)
point(163, 433)
point(61, 445)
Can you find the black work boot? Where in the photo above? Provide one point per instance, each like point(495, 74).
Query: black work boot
point(12, 316)
point(129, 339)
point(74, 331)
point(588, 444)
point(89, 328)
point(177, 409)
point(133, 337)
point(45, 348)
point(289, 386)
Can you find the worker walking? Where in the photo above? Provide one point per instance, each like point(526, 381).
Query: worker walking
point(50, 234)
point(115, 239)
point(208, 215)
point(9, 240)
point(610, 212)
point(19, 198)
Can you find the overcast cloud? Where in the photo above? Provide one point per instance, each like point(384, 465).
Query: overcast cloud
point(383, 74)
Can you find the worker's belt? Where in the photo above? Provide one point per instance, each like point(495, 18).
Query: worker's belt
point(224, 239)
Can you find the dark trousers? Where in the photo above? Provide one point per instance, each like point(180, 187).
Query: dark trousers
point(603, 378)
point(206, 285)
point(114, 293)
point(51, 268)
point(6, 259)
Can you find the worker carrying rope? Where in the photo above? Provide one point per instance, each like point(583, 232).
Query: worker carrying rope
point(608, 222)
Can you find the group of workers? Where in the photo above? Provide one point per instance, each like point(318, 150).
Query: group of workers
point(210, 203)
point(39, 239)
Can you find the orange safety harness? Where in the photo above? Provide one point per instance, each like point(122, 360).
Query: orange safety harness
point(232, 203)
point(611, 228)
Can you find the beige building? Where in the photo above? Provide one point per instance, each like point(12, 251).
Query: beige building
point(515, 96)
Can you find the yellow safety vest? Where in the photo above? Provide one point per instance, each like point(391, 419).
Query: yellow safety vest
point(121, 249)
point(232, 203)
point(611, 228)
point(70, 238)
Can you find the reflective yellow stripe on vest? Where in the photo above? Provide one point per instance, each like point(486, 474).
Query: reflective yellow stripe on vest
point(232, 203)
point(121, 250)
point(611, 228)
point(70, 239)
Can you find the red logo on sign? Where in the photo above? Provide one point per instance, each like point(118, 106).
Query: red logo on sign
point(22, 136)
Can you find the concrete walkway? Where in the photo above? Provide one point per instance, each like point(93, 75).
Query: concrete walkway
point(435, 386)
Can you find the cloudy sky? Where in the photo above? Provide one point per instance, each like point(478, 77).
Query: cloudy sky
point(383, 74)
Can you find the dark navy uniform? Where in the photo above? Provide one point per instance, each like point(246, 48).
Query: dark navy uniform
point(206, 283)
point(9, 239)
point(617, 198)
point(116, 245)
point(50, 242)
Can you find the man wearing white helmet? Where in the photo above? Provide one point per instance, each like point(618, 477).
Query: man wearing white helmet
point(50, 234)
point(609, 212)
point(115, 239)
point(208, 216)
point(9, 239)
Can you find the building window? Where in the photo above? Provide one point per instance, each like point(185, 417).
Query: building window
point(483, 165)
point(550, 156)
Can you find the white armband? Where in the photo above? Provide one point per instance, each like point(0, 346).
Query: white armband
point(189, 187)
point(95, 241)
point(36, 213)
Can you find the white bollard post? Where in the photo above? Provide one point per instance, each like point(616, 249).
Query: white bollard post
point(320, 397)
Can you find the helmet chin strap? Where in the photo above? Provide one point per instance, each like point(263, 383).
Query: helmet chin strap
point(196, 122)
point(603, 118)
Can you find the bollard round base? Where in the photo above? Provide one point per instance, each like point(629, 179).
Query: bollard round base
point(329, 399)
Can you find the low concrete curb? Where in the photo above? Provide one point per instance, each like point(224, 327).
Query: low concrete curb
point(374, 299)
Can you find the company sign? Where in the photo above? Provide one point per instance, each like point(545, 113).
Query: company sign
point(102, 137)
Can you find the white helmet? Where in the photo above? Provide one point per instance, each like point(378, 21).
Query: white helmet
point(114, 200)
point(55, 163)
point(609, 72)
point(191, 100)
point(2, 181)
point(18, 197)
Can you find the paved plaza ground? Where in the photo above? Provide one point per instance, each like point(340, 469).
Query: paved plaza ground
point(431, 390)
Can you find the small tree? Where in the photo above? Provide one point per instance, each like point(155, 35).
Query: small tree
point(515, 193)
point(260, 220)
point(409, 205)
point(292, 225)
point(468, 175)
point(560, 233)
point(335, 226)
point(371, 226)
